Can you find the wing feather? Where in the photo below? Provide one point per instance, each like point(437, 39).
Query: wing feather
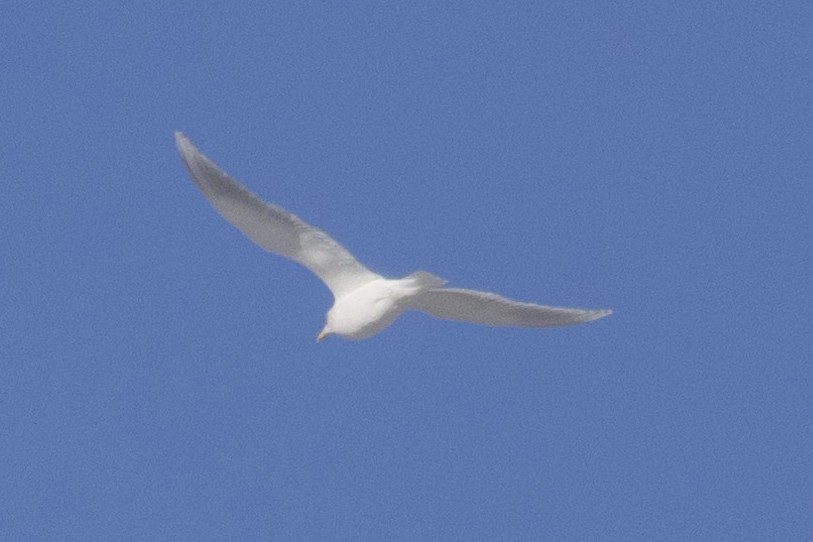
point(272, 227)
point(494, 310)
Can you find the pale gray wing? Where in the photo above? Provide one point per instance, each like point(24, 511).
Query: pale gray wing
point(494, 310)
point(272, 227)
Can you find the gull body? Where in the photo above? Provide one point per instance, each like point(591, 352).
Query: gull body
point(365, 303)
point(370, 308)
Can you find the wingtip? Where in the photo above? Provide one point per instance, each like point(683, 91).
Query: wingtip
point(180, 138)
point(186, 149)
point(601, 314)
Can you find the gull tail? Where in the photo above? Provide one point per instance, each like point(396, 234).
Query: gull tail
point(423, 281)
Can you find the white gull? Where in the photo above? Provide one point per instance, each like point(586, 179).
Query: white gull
point(364, 302)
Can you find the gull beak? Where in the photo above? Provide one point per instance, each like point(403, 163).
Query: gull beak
point(321, 336)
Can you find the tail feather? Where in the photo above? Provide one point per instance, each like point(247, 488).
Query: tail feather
point(425, 281)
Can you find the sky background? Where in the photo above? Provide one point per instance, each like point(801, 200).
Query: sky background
point(159, 375)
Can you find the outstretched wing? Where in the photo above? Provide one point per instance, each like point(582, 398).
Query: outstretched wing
point(272, 227)
point(494, 310)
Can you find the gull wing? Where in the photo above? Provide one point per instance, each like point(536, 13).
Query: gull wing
point(272, 227)
point(494, 310)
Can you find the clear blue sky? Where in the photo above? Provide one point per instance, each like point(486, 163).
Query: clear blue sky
point(159, 375)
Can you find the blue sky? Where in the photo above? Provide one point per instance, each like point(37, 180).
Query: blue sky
point(159, 377)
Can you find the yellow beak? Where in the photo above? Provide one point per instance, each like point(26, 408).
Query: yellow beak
point(321, 336)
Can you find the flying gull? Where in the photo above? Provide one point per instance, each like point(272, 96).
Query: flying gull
point(364, 302)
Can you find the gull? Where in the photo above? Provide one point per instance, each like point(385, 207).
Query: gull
point(364, 302)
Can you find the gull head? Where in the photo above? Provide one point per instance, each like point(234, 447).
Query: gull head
point(362, 312)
